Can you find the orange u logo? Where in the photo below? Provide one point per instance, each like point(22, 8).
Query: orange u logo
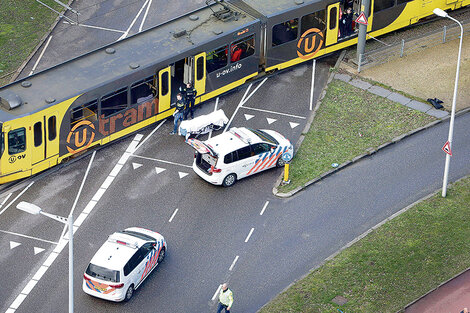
point(305, 49)
point(81, 144)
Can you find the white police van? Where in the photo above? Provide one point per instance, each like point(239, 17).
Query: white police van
point(238, 153)
point(122, 263)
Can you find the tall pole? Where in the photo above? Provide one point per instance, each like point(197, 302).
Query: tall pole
point(70, 221)
point(452, 115)
point(361, 41)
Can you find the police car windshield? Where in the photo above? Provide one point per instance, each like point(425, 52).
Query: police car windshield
point(264, 136)
point(102, 273)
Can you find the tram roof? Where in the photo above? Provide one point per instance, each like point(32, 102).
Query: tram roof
point(147, 48)
point(274, 7)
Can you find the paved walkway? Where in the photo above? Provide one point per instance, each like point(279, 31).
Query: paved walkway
point(394, 96)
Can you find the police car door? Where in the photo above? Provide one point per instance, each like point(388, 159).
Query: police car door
point(262, 157)
point(149, 258)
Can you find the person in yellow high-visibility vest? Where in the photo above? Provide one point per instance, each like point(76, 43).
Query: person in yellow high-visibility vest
point(225, 299)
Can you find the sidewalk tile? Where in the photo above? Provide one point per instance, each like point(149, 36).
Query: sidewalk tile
point(399, 98)
point(344, 77)
point(379, 91)
point(420, 106)
point(437, 113)
point(360, 84)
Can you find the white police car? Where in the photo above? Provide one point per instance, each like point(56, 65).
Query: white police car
point(123, 262)
point(238, 153)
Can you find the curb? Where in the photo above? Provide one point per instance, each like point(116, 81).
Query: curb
point(39, 45)
point(305, 131)
point(369, 151)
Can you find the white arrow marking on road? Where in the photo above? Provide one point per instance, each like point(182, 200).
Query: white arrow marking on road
point(38, 250)
point(14, 244)
point(182, 174)
point(159, 169)
point(293, 125)
point(270, 120)
point(136, 165)
point(249, 116)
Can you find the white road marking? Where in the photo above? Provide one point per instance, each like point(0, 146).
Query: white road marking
point(216, 292)
point(133, 22)
point(16, 198)
point(27, 289)
point(248, 116)
point(293, 125)
point(264, 208)
point(182, 174)
point(313, 84)
point(173, 216)
point(96, 27)
point(233, 263)
point(257, 87)
point(63, 241)
point(136, 165)
point(163, 161)
point(38, 250)
point(159, 169)
point(14, 244)
point(249, 235)
point(40, 56)
point(6, 199)
point(29, 237)
point(270, 120)
point(274, 112)
point(145, 16)
point(146, 138)
point(238, 107)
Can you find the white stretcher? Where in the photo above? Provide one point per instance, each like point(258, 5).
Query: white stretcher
point(203, 124)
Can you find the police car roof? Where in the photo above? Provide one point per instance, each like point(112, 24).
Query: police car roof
point(232, 140)
point(116, 251)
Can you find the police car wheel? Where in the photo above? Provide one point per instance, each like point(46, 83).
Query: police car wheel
point(129, 293)
point(161, 256)
point(280, 162)
point(229, 180)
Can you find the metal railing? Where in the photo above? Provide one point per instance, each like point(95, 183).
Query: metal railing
point(410, 46)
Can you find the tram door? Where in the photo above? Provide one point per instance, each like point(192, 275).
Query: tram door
point(200, 74)
point(164, 89)
point(44, 137)
point(333, 22)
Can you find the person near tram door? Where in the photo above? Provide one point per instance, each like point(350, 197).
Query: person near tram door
point(190, 97)
point(225, 299)
point(179, 111)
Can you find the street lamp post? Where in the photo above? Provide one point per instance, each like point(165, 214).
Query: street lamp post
point(442, 13)
point(34, 209)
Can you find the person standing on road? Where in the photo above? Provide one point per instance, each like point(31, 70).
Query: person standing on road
point(178, 115)
point(190, 96)
point(225, 299)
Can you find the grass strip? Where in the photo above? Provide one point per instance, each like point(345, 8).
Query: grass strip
point(22, 25)
point(393, 265)
point(349, 121)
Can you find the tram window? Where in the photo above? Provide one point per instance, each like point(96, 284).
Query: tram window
point(242, 48)
point(216, 59)
point(333, 17)
point(52, 127)
point(17, 141)
point(37, 134)
point(402, 1)
point(285, 32)
point(313, 20)
point(200, 68)
point(165, 83)
point(114, 102)
point(86, 111)
point(380, 5)
point(142, 91)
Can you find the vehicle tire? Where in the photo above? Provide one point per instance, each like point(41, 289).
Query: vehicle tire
point(161, 256)
point(280, 162)
point(229, 180)
point(129, 293)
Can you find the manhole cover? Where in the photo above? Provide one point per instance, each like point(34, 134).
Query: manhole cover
point(339, 300)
